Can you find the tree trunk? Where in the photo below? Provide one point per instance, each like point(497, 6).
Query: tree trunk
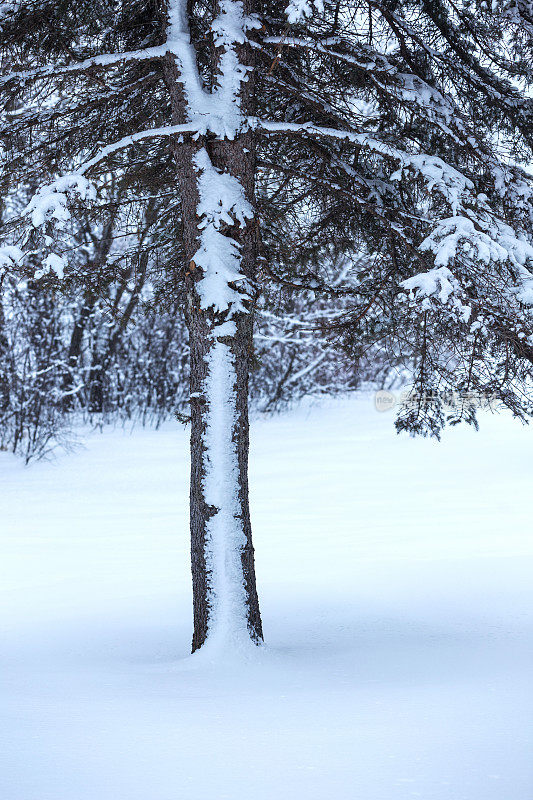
point(226, 607)
point(74, 351)
point(219, 422)
point(4, 360)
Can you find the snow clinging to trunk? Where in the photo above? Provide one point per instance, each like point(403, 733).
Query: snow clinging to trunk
point(222, 207)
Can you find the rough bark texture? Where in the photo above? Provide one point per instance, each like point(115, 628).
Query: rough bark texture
point(231, 156)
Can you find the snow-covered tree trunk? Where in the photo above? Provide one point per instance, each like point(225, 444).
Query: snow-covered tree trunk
point(224, 591)
point(216, 178)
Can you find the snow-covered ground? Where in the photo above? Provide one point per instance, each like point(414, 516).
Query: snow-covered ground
point(397, 597)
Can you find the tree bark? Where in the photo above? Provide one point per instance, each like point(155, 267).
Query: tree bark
point(4, 359)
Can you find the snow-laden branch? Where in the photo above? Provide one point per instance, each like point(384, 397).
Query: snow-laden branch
point(497, 88)
point(484, 240)
point(441, 285)
point(10, 256)
point(300, 10)
point(438, 175)
point(430, 103)
point(438, 282)
point(321, 47)
point(50, 201)
point(459, 237)
point(126, 141)
point(409, 87)
point(104, 60)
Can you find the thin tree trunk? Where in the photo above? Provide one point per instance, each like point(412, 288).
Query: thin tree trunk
point(4, 360)
point(74, 350)
point(226, 607)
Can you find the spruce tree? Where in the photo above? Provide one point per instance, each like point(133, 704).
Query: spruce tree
point(394, 132)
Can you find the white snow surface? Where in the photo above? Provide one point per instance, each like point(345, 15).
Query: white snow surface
point(397, 601)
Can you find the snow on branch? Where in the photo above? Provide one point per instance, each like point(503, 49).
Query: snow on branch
point(50, 202)
point(10, 256)
point(484, 240)
point(104, 60)
point(54, 264)
point(439, 175)
point(153, 133)
point(438, 283)
point(431, 104)
point(524, 290)
point(406, 87)
point(300, 10)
